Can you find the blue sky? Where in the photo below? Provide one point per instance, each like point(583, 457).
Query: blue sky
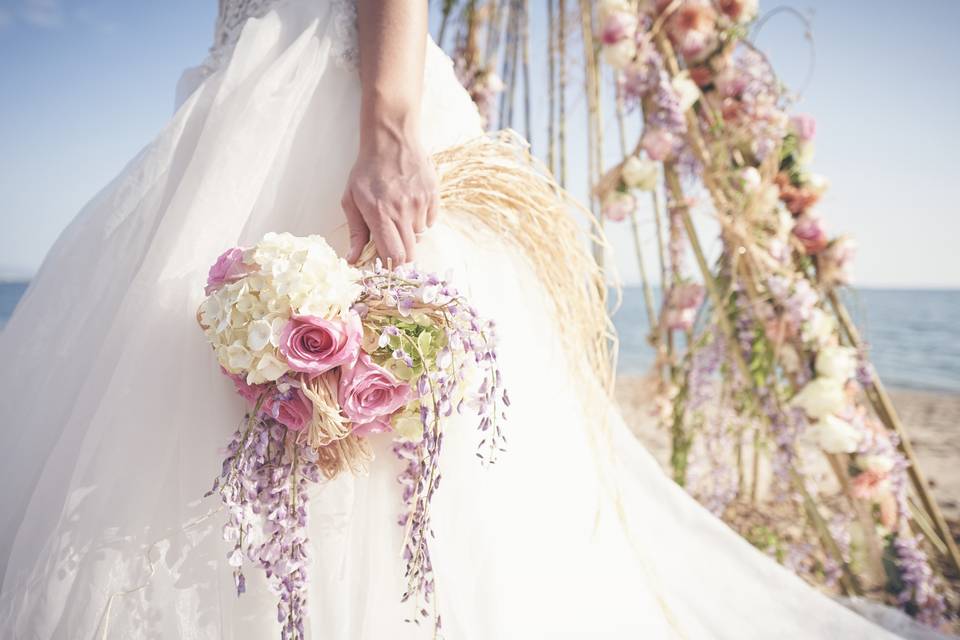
point(84, 84)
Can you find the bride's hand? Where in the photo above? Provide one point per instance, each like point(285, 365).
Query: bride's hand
point(391, 194)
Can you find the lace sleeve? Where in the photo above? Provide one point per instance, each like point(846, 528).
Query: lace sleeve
point(346, 48)
point(234, 14)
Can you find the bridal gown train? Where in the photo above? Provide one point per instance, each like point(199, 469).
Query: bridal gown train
point(114, 413)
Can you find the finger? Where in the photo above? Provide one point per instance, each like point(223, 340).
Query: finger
point(388, 241)
point(420, 216)
point(433, 211)
point(409, 239)
point(359, 232)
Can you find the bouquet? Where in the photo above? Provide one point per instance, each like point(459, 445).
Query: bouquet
point(325, 356)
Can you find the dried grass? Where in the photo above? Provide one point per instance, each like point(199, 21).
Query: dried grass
point(495, 182)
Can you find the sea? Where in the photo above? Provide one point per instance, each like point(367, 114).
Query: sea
point(913, 335)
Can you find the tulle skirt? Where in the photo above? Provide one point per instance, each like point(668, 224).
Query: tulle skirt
point(114, 415)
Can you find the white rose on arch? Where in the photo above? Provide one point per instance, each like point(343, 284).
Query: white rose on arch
point(820, 328)
point(640, 173)
point(877, 463)
point(821, 397)
point(836, 435)
point(839, 363)
point(621, 54)
point(688, 93)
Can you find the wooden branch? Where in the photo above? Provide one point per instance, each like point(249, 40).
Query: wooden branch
point(562, 106)
point(551, 88)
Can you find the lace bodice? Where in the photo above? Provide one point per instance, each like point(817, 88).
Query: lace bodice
point(233, 14)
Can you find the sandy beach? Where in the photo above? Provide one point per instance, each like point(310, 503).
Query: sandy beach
point(931, 418)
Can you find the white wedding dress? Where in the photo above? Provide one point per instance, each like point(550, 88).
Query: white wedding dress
point(114, 413)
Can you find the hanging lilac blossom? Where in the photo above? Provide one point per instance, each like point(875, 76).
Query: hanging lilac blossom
point(918, 591)
point(263, 484)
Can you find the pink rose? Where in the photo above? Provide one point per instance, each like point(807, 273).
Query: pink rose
point(688, 295)
point(368, 395)
point(683, 302)
point(659, 144)
point(739, 10)
point(313, 345)
point(809, 230)
point(680, 319)
point(805, 126)
point(868, 484)
point(617, 26)
point(294, 409)
point(229, 267)
point(693, 29)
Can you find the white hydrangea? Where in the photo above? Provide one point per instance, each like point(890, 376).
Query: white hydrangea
point(295, 276)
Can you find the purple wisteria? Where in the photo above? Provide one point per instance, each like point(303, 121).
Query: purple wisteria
point(919, 594)
point(263, 485)
point(444, 341)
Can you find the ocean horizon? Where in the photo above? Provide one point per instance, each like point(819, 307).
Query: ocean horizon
point(913, 335)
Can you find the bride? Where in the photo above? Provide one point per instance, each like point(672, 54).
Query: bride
point(310, 114)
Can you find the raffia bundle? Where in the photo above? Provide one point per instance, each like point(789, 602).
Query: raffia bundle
point(495, 182)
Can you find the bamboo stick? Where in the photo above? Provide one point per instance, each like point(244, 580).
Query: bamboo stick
point(493, 31)
point(661, 249)
point(586, 35)
point(874, 547)
point(755, 467)
point(562, 59)
point(635, 227)
point(883, 405)
point(594, 121)
point(508, 69)
point(525, 38)
point(848, 581)
point(551, 88)
point(657, 208)
point(926, 526)
point(447, 10)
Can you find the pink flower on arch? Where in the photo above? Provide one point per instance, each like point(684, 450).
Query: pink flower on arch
point(811, 234)
point(659, 144)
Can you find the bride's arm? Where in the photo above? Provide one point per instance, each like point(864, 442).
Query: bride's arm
point(391, 195)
